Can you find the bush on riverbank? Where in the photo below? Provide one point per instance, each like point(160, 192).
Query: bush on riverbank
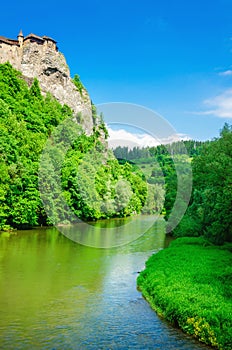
point(189, 284)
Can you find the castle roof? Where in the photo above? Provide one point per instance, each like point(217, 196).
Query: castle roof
point(33, 36)
point(48, 38)
point(8, 41)
point(30, 36)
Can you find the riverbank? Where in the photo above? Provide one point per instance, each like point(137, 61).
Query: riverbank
point(190, 285)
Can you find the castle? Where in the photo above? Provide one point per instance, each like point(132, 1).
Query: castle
point(31, 38)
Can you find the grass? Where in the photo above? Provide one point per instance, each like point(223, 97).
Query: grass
point(190, 285)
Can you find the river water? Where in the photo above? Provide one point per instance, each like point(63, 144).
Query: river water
point(58, 294)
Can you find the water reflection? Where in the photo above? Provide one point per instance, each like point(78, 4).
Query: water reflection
point(110, 233)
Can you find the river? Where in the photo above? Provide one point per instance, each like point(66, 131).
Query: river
point(58, 294)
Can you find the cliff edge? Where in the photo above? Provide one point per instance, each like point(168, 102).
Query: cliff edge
point(38, 57)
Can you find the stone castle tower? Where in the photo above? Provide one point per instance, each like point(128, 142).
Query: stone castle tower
point(20, 38)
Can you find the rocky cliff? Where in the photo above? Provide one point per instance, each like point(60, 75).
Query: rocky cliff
point(39, 57)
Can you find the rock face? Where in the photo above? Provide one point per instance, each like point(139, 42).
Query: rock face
point(39, 57)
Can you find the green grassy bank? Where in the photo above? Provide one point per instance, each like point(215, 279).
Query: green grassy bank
point(190, 285)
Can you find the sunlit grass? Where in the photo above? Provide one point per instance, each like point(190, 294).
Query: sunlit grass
point(189, 284)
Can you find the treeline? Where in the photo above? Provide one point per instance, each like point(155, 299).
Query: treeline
point(190, 147)
point(27, 119)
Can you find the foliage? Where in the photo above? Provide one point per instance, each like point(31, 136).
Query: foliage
point(131, 154)
point(146, 154)
point(211, 206)
point(27, 119)
point(209, 213)
point(160, 166)
point(100, 187)
point(77, 82)
point(200, 301)
point(155, 199)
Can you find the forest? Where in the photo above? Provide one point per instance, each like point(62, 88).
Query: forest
point(27, 120)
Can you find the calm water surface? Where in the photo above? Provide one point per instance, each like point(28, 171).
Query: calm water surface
point(57, 294)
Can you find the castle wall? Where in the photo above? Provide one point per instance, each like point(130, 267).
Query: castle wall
point(10, 53)
point(50, 44)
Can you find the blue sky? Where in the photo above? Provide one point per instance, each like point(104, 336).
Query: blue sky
point(174, 57)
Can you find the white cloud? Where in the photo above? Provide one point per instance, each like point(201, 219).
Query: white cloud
point(123, 138)
point(226, 73)
point(219, 106)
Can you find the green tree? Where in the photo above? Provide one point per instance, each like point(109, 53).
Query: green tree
point(210, 211)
